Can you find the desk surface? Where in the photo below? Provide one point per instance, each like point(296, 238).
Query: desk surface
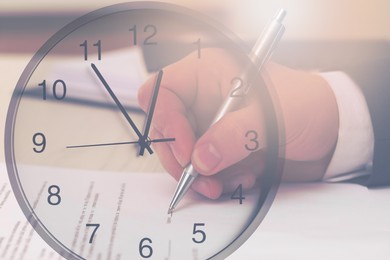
point(306, 221)
point(323, 221)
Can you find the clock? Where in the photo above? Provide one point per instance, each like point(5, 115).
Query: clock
point(79, 156)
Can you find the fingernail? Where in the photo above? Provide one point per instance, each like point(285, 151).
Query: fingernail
point(206, 157)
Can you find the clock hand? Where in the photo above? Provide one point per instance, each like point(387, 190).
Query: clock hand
point(102, 144)
point(161, 140)
point(141, 139)
point(151, 111)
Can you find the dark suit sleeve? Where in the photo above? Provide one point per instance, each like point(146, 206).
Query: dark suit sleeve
point(374, 80)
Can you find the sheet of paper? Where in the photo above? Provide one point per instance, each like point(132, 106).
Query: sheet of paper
point(129, 207)
point(306, 221)
point(18, 240)
point(323, 221)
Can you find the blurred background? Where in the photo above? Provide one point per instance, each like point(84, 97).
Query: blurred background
point(320, 35)
point(324, 32)
point(307, 19)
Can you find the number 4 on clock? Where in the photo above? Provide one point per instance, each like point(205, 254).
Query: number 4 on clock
point(237, 194)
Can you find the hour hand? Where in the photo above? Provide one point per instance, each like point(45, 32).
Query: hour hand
point(152, 106)
point(142, 141)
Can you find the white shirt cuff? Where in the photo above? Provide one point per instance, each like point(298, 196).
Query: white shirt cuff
point(355, 145)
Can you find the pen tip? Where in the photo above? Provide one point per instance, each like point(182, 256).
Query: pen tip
point(170, 211)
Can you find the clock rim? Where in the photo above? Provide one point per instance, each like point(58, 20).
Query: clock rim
point(29, 70)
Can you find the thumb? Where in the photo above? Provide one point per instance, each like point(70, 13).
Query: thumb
point(230, 140)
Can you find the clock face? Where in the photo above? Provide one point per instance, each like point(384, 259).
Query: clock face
point(75, 132)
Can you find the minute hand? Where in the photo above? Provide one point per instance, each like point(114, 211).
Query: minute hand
point(122, 109)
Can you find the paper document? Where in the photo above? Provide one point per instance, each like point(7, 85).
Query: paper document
point(124, 70)
point(18, 240)
point(128, 207)
point(306, 221)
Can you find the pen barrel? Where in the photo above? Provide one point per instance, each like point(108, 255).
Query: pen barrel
point(266, 44)
point(238, 90)
point(261, 52)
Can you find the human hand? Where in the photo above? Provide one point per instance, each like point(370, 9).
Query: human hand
point(191, 92)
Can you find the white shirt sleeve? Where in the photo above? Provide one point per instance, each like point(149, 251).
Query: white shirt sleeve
point(355, 145)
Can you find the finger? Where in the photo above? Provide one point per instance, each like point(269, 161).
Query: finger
point(171, 118)
point(244, 173)
point(235, 176)
point(176, 123)
point(209, 186)
point(226, 181)
point(166, 156)
point(230, 140)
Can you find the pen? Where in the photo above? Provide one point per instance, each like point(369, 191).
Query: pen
point(260, 53)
